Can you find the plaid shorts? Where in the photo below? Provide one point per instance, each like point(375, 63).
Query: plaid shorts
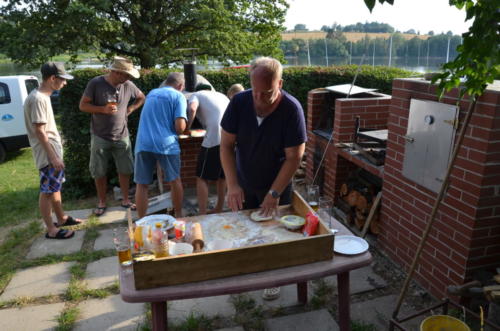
point(51, 180)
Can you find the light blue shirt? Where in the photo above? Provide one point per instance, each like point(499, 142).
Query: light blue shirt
point(156, 132)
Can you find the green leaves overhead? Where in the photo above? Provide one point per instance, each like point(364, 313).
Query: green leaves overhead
point(148, 31)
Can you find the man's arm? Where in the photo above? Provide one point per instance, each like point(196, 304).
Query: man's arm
point(180, 125)
point(293, 157)
point(54, 160)
point(191, 112)
point(87, 107)
point(139, 101)
point(235, 196)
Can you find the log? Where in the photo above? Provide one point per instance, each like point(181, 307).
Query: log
point(360, 219)
point(344, 190)
point(361, 203)
point(352, 198)
point(374, 225)
point(373, 209)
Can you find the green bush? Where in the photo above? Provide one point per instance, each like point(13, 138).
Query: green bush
point(298, 81)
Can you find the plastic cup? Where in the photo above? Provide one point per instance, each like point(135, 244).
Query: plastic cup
point(313, 196)
point(121, 239)
point(325, 209)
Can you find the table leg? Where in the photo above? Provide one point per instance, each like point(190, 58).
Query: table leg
point(159, 315)
point(302, 292)
point(344, 301)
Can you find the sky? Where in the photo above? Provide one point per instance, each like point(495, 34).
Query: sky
point(420, 15)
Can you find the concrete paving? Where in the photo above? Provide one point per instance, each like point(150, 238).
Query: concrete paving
point(179, 310)
point(288, 297)
point(236, 328)
point(105, 240)
point(361, 280)
point(110, 313)
point(102, 273)
point(317, 320)
point(378, 313)
point(41, 317)
point(39, 281)
point(82, 214)
point(114, 215)
point(43, 246)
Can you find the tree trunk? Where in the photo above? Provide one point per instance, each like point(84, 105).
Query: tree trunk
point(146, 60)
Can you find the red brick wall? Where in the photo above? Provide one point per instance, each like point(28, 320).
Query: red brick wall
point(189, 154)
point(466, 234)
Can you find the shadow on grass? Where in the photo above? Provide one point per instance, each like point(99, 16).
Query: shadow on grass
point(12, 155)
point(18, 206)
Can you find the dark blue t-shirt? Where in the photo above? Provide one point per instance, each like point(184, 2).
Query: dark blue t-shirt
point(260, 150)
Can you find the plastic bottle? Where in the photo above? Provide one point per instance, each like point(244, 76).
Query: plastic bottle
point(160, 241)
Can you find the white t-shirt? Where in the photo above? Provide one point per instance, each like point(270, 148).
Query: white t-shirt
point(38, 109)
point(211, 107)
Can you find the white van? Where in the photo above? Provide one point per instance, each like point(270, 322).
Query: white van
point(13, 91)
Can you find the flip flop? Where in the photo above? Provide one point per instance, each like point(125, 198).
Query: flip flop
point(69, 221)
point(61, 234)
point(130, 205)
point(99, 211)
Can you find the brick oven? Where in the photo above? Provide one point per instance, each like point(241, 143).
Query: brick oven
point(466, 234)
point(190, 146)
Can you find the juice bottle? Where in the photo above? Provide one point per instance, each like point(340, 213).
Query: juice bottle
point(138, 238)
point(160, 241)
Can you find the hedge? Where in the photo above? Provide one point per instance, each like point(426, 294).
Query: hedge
point(297, 80)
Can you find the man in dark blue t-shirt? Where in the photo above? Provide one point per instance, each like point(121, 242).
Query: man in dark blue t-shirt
point(263, 140)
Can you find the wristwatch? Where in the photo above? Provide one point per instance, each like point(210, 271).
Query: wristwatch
point(274, 194)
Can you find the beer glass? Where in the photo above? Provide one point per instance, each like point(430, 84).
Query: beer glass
point(313, 196)
point(325, 210)
point(121, 239)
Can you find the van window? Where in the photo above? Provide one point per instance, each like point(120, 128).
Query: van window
point(31, 84)
point(4, 93)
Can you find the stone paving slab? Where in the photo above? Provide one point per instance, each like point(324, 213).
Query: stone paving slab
point(115, 215)
point(288, 297)
point(30, 318)
point(105, 240)
point(102, 273)
point(179, 310)
point(110, 313)
point(317, 320)
point(43, 246)
point(83, 214)
point(39, 281)
point(378, 312)
point(361, 280)
point(236, 328)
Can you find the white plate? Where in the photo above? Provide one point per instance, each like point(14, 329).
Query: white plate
point(166, 220)
point(349, 245)
point(257, 217)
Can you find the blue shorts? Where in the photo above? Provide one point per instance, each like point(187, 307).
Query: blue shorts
point(145, 165)
point(51, 180)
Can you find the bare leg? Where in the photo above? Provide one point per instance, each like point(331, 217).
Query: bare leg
point(124, 186)
point(57, 207)
point(221, 194)
point(141, 199)
point(202, 193)
point(45, 204)
point(177, 196)
point(101, 186)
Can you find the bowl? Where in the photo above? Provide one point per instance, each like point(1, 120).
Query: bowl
point(292, 222)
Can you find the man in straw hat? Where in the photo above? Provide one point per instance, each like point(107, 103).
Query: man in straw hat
point(107, 99)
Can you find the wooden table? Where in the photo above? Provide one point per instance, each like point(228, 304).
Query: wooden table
point(340, 265)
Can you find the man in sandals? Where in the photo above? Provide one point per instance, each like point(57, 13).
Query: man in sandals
point(262, 143)
point(46, 146)
point(107, 99)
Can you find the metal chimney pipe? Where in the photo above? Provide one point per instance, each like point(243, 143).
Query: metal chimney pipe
point(190, 75)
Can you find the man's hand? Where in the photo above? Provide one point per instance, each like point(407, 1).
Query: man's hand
point(110, 109)
point(269, 205)
point(57, 163)
point(235, 198)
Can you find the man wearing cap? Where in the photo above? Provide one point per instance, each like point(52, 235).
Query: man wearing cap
point(107, 99)
point(163, 118)
point(46, 146)
point(208, 106)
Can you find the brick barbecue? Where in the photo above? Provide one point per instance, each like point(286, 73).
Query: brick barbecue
point(466, 235)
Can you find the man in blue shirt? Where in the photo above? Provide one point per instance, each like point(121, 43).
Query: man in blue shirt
point(163, 118)
point(262, 143)
point(265, 126)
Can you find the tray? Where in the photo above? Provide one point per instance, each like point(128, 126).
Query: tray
point(194, 267)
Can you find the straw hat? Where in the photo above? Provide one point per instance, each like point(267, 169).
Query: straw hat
point(122, 64)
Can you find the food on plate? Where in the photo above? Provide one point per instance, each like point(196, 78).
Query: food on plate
point(292, 222)
point(227, 226)
point(258, 217)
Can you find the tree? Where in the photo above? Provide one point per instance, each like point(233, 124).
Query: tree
point(430, 33)
point(300, 27)
point(147, 31)
point(478, 58)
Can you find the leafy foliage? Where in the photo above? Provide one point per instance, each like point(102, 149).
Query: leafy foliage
point(297, 80)
point(148, 31)
point(478, 60)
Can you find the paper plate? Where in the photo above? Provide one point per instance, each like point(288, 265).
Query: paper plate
point(349, 245)
point(166, 220)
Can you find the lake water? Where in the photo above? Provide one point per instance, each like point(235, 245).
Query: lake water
point(421, 64)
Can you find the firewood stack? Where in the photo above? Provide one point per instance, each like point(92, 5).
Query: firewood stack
point(356, 199)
